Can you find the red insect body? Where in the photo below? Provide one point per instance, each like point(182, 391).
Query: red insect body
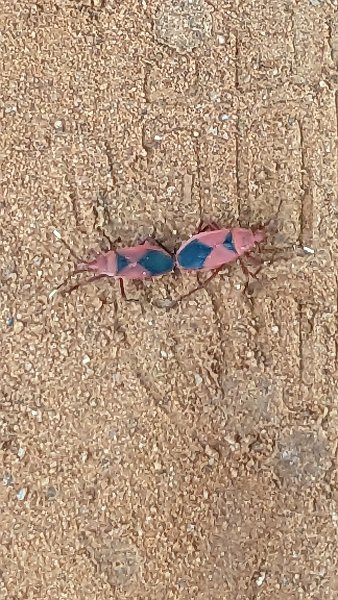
point(145, 261)
point(210, 250)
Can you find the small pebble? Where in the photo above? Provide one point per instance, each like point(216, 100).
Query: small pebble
point(260, 579)
point(224, 117)
point(211, 452)
point(86, 359)
point(198, 379)
point(59, 125)
point(170, 190)
point(83, 456)
point(52, 294)
point(213, 130)
point(221, 40)
point(165, 303)
point(21, 452)
point(11, 108)
point(21, 495)
point(51, 492)
point(275, 329)
point(308, 250)
point(164, 354)
point(215, 96)
point(57, 234)
point(157, 138)
point(37, 260)
point(18, 326)
point(10, 321)
point(7, 479)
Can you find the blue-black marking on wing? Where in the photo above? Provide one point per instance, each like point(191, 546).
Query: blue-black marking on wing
point(156, 262)
point(194, 255)
point(228, 243)
point(121, 263)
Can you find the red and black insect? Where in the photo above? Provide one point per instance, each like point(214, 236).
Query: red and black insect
point(213, 247)
point(144, 261)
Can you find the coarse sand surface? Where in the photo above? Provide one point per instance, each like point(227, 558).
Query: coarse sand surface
point(152, 453)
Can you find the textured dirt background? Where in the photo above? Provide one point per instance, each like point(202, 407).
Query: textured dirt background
point(168, 454)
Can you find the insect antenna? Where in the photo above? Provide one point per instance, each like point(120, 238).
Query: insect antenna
point(58, 236)
point(81, 267)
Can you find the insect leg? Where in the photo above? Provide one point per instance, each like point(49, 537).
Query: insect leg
point(207, 227)
point(256, 260)
point(123, 292)
point(80, 283)
point(199, 287)
point(69, 248)
point(112, 244)
point(152, 240)
point(246, 270)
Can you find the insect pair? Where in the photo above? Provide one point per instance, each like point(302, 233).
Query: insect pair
point(210, 249)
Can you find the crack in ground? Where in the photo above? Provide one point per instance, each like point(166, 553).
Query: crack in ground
point(197, 149)
point(306, 213)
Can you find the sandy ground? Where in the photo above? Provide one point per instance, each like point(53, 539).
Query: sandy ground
point(148, 453)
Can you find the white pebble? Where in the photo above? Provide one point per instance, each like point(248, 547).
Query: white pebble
point(11, 109)
point(7, 479)
point(164, 354)
point(221, 40)
point(215, 96)
point(52, 294)
point(58, 124)
point(83, 456)
point(157, 138)
point(57, 234)
point(308, 250)
point(224, 117)
point(213, 130)
point(170, 190)
point(21, 452)
point(198, 379)
point(275, 329)
point(86, 359)
point(21, 495)
point(260, 580)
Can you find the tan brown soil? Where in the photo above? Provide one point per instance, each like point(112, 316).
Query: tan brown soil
point(168, 454)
